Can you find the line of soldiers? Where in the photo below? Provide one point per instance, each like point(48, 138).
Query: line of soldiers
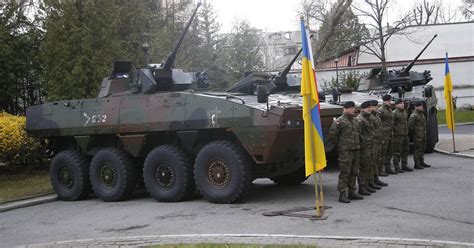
point(369, 142)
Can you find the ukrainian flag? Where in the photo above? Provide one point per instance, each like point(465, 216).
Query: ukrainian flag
point(315, 156)
point(448, 89)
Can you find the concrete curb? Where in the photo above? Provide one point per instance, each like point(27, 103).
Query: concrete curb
point(453, 154)
point(322, 241)
point(457, 124)
point(27, 202)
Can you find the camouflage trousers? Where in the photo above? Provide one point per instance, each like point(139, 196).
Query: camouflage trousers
point(349, 170)
point(400, 150)
point(373, 172)
point(365, 165)
point(419, 151)
point(387, 151)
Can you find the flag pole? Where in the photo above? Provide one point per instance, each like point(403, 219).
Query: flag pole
point(451, 120)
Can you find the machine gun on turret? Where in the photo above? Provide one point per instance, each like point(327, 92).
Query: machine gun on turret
point(126, 78)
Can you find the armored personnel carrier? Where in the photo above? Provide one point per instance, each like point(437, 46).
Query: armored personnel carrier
point(403, 84)
point(147, 121)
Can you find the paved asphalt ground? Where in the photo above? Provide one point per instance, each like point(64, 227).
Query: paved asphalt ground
point(435, 203)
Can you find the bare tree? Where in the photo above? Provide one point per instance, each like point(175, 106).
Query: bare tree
point(316, 11)
point(374, 11)
point(427, 13)
point(467, 9)
point(313, 12)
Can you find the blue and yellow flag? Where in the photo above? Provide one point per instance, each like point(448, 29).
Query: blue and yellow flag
point(315, 156)
point(448, 89)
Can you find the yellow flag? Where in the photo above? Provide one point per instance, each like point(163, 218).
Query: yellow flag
point(448, 89)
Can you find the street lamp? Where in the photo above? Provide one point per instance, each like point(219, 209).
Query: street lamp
point(337, 72)
point(145, 46)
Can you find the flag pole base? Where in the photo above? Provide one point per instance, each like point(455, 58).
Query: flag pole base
point(294, 212)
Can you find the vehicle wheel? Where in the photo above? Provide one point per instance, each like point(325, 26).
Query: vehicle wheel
point(69, 176)
point(223, 172)
point(168, 174)
point(431, 132)
point(293, 178)
point(112, 175)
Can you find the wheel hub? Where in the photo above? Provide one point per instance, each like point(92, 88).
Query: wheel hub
point(164, 175)
point(218, 173)
point(108, 175)
point(66, 177)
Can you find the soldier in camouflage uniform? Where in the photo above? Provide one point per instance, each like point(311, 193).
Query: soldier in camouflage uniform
point(377, 163)
point(367, 134)
point(400, 137)
point(417, 127)
point(386, 116)
point(345, 133)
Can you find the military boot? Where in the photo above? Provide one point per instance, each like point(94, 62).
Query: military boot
point(398, 170)
point(354, 196)
point(377, 181)
point(390, 171)
point(363, 190)
point(418, 166)
point(406, 168)
point(343, 197)
point(370, 189)
point(426, 165)
point(375, 186)
point(382, 173)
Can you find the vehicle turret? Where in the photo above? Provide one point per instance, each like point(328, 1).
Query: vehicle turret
point(126, 79)
point(397, 80)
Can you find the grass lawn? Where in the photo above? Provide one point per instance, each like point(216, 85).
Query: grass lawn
point(207, 245)
point(459, 116)
point(23, 184)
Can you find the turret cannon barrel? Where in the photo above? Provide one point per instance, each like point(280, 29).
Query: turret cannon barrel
point(410, 65)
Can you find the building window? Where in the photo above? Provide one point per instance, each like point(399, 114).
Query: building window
point(349, 61)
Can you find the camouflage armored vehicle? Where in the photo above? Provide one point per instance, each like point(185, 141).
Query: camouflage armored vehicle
point(147, 121)
point(404, 84)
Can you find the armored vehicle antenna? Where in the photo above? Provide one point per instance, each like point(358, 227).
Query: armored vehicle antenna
point(410, 65)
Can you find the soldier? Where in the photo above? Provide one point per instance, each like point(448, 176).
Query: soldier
point(400, 137)
point(345, 133)
point(367, 134)
point(417, 127)
point(377, 163)
point(385, 114)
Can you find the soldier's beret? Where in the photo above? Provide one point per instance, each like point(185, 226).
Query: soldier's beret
point(374, 103)
point(418, 103)
point(386, 97)
point(349, 104)
point(366, 104)
point(398, 101)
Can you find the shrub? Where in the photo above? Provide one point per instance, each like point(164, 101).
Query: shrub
point(17, 149)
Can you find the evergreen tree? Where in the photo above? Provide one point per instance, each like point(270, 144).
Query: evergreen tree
point(240, 53)
point(20, 67)
point(79, 47)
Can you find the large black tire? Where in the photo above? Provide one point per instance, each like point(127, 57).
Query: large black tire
point(69, 174)
point(223, 172)
point(112, 174)
point(168, 174)
point(293, 178)
point(431, 132)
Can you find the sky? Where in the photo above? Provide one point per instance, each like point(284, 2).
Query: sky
point(282, 15)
